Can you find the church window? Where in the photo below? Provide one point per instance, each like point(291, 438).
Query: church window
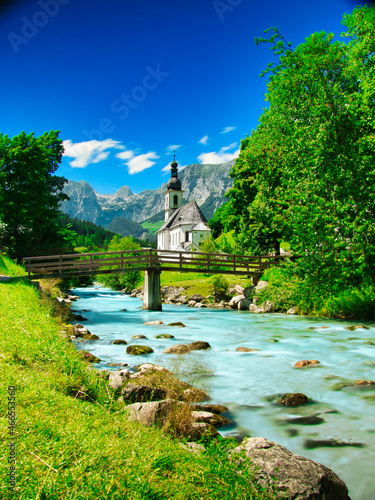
point(187, 236)
point(175, 201)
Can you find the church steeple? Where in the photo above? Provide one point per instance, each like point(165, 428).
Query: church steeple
point(174, 182)
point(173, 195)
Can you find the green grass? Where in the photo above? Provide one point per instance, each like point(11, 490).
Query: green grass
point(198, 282)
point(73, 440)
point(153, 227)
point(9, 268)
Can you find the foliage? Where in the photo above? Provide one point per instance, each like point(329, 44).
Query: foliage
point(153, 227)
point(29, 193)
point(74, 441)
point(86, 234)
point(208, 245)
point(306, 175)
point(289, 287)
point(126, 227)
point(120, 281)
point(220, 286)
point(9, 268)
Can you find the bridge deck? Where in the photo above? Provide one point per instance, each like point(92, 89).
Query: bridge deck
point(144, 259)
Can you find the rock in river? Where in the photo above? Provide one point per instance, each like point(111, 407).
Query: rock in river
point(138, 350)
point(118, 342)
point(306, 362)
point(296, 399)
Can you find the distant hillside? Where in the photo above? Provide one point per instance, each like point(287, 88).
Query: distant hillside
point(206, 184)
point(127, 227)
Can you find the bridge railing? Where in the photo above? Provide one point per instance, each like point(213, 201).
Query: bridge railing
point(142, 259)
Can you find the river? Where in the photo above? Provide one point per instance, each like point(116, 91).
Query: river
point(343, 435)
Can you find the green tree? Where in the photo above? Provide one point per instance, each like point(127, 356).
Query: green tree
point(119, 281)
point(29, 192)
point(308, 172)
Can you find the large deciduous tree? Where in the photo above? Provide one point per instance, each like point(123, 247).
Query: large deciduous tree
point(307, 174)
point(29, 192)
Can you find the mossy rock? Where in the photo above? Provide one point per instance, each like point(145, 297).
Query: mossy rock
point(91, 336)
point(119, 341)
point(164, 336)
point(138, 350)
point(89, 357)
point(137, 337)
point(295, 399)
point(177, 323)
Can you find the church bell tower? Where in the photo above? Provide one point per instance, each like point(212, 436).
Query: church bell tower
point(173, 194)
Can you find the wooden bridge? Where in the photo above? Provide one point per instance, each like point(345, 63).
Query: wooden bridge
point(152, 262)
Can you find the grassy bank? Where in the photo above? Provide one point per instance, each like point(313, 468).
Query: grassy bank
point(73, 440)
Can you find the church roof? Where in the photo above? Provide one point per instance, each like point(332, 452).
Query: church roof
point(189, 213)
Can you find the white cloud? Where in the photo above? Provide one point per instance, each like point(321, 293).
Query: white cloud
point(219, 157)
point(125, 155)
point(204, 140)
point(227, 129)
point(88, 152)
point(141, 162)
point(167, 168)
point(231, 146)
point(173, 147)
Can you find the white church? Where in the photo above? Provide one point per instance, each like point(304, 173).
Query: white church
point(185, 226)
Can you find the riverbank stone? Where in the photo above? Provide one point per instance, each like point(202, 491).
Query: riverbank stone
point(295, 399)
point(306, 362)
point(117, 379)
point(88, 356)
point(133, 393)
point(286, 475)
point(138, 350)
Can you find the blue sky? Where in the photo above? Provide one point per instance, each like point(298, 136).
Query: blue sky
point(127, 82)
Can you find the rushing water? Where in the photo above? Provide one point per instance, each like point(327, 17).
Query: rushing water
point(248, 383)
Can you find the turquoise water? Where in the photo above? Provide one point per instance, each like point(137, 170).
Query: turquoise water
point(248, 383)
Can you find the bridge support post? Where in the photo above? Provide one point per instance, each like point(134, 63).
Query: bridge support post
point(151, 292)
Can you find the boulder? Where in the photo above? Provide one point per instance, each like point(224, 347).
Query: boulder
point(90, 336)
point(198, 345)
point(236, 290)
point(177, 323)
point(267, 307)
point(210, 418)
point(306, 362)
point(198, 430)
point(295, 399)
point(156, 322)
point(233, 303)
point(177, 349)
point(132, 393)
point(286, 475)
point(149, 367)
point(246, 349)
point(118, 379)
point(247, 292)
point(356, 327)
point(261, 286)
point(292, 310)
point(118, 342)
point(138, 350)
point(194, 395)
point(253, 308)
point(213, 408)
point(78, 317)
point(364, 382)
point(200, 304)
point(151, 413)
point(164, 336)
point(191, 303)
point(196, 297)
point(243, 304)
point(138, 337)
point(89, 357)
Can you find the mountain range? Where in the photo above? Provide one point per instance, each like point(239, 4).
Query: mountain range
point(206, 184)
